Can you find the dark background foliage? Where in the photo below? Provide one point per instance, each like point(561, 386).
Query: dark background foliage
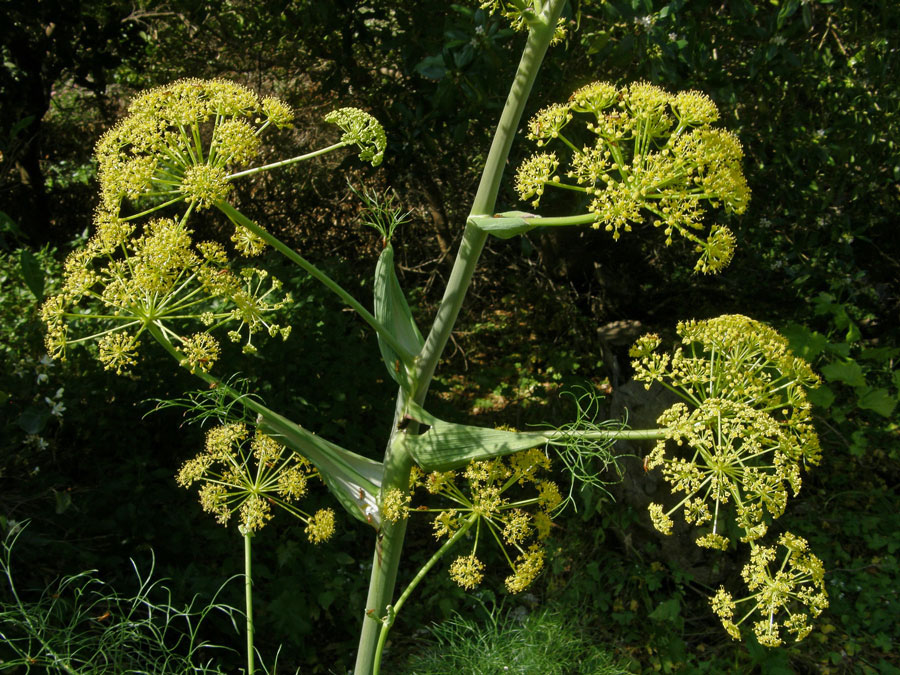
point(809, 87)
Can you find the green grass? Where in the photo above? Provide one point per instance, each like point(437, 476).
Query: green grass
point(79, 624)
point(543, 642)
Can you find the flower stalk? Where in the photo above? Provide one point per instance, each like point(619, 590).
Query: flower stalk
point(248, 598)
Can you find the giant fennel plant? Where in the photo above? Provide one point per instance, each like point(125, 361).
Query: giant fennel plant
point(736, 443)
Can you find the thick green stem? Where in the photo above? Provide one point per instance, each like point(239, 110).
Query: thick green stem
point(485, 198)
point(320, 276)
point(561, 436)
point(248, 600)
point(397, 463)
point(388, 548)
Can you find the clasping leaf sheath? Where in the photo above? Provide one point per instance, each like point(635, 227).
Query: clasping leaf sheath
point(353, 479)
point(447, 446)
point(505, 225)
point(392, 310)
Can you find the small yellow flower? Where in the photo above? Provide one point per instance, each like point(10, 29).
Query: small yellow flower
point(548, 495)
point(395, 505)
point(527, 567)
point(277, 112)
point(204, 185)
point(251, 478)
point(516, 522)
point(445, 523)
point(292, 484)
point(594, 98)
point(661, 521)
point(363, 130)
point(247, 243)
point(255, 513)
point(118, 351)
point(723, 604)
point(714, 541)
point(542, 524)
point(436, 481)
point(548, 123)
point(517, 528)
point(467, 571)
point(785, 593)
point(320, 527)
point(694, 108)
point(655, 157)
point(201, 351)
point(534, 174)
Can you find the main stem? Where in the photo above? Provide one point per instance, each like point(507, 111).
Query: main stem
point(397, 463)
point(389, 621)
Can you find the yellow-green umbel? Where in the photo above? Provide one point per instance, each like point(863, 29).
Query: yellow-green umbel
point(488, 496)
point(649, 154)
point(785, 594)
point(744, 431)
point(248, 475)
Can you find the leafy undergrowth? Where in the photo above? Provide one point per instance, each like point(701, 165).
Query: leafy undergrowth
point(543, 642)
point(81, 624)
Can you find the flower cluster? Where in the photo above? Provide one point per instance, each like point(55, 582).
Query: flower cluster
point(178, 147)
point(481, 497)
point(181, 143)
point(523, 15)
point(130, 282)
point(741, 437)
point(746, 422)
point(784, 594)
point(247, 476)
point(362, 130)
point(642, 151)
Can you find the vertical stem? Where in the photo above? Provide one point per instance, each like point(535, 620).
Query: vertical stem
point(397, 463)
point(485, 198)
point(388, 549)
point(248, 600)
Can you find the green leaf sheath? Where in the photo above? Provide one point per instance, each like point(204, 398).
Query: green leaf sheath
point(383, 334)
point(445, 445)
point(392, 310)
point(448, 446)
point(509, 224)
